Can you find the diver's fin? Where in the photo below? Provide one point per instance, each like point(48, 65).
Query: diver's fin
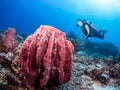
point(104, 31)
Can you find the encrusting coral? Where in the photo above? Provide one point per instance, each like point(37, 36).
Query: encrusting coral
point(46, 56)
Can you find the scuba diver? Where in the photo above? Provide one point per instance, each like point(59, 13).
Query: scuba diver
point(89, 30)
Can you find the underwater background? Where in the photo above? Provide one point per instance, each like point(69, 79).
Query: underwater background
point(27, 15)
point(42, 49)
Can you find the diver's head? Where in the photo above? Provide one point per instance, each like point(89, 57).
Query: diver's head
point(79, 22)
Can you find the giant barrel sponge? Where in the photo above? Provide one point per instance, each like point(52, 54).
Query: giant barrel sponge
point(46, 55)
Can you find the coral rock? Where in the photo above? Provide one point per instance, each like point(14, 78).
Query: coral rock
point(46, 55)
point(9, 40)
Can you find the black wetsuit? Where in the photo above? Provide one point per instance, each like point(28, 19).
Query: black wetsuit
point(93, 32)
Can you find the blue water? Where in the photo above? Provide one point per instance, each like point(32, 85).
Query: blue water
point(27, 15)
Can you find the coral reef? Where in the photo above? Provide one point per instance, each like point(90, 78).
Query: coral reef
point(77, 42)
point(106, 49)
point(101, 48)
point(88, 74)
point(10, 77)
point(1, 41)
point(46, 56)
point(118, 57)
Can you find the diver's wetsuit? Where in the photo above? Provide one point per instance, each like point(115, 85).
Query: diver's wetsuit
point(93, 32)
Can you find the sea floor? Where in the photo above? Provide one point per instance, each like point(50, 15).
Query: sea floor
point(82, 81)
point(82, 77)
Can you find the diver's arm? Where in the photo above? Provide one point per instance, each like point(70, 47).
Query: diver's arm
point(88, 31)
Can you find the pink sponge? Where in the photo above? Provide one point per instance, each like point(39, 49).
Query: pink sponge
point(46, 55)
point(9, 41)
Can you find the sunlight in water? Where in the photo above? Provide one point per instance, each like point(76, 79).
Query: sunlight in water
point(100, 8)
point(97, 8)
point(103, 5)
